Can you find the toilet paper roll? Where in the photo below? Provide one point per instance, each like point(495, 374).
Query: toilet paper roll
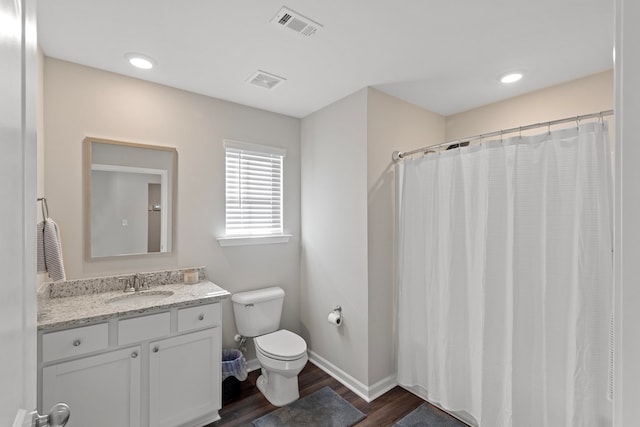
point(335, 318)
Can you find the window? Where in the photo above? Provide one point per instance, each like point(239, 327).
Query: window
point(253, 187)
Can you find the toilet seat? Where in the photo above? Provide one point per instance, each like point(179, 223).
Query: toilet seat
point(281, 345)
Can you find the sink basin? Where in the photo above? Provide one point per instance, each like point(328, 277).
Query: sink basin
point(139, 297)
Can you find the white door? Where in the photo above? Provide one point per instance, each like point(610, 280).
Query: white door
point(103, 390)
point(17, 208)
point(627, 208)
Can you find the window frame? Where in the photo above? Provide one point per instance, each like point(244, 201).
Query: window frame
point(238, 237)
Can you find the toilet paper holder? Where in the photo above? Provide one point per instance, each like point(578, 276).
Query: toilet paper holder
point(335, 317)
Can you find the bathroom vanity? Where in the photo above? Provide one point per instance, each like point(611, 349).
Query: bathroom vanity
point(148, 358)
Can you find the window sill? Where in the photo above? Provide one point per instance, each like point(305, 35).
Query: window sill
point(253, 240)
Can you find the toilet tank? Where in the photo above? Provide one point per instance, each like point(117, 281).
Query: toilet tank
point(258, 312)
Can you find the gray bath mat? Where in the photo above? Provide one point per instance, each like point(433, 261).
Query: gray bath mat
point(324, 407)
point(426, 415)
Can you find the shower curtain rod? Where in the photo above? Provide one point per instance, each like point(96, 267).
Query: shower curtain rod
point(399, 155)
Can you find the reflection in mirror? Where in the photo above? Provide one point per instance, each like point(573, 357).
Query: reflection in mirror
point(129, 207)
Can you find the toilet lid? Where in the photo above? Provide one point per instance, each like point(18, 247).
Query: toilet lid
point(281, 345)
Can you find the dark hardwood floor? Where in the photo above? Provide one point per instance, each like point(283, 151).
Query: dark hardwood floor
point(384, 411)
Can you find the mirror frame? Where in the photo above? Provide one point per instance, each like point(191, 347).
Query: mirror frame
point(87, 151)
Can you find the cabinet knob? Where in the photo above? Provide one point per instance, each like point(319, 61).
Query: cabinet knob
point(77, 343)
point(134, 354)
point(155, 349)
point(201, 317)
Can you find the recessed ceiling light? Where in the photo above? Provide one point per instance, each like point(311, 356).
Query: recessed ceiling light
point(510, 77)
point(139, 60)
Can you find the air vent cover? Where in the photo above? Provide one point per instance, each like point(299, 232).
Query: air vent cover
point(265, 80)
point(287, 18)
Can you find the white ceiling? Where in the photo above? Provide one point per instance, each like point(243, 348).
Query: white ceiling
point(443, 55)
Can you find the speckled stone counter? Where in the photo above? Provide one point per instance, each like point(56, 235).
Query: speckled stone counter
point(87, 303)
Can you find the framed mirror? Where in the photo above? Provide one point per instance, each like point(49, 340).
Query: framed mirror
point(130, 194)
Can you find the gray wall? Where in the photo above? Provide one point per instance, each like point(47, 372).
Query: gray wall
point(334, 229)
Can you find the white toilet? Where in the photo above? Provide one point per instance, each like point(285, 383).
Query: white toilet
point(281, 353)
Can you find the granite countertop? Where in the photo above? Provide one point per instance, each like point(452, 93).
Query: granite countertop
point(78, 310)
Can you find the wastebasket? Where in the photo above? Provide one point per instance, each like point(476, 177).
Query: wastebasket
point(234, 370)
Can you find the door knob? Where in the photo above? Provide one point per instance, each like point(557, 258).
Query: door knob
point(58, 417)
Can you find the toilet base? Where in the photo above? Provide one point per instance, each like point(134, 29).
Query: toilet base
point(278, 389)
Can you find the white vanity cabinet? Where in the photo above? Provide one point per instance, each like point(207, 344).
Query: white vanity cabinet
point(152, 370)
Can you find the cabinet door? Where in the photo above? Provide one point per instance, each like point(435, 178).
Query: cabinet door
point(103, 390)
point(184, 378)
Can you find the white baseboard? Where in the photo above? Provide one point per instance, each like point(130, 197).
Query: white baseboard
point(367, 393)
point(381, 387)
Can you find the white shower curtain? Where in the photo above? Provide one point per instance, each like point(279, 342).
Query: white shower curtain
point(505, 279)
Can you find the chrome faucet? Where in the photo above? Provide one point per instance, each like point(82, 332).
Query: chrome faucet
point(139, 284)
point(134, 284)
point(128, 285)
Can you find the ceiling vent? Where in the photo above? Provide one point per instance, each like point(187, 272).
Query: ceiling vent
point(287, 18)
point(265, 80)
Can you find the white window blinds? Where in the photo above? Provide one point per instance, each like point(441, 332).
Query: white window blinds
point(253, 182)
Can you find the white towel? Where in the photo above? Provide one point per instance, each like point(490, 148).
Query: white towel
point(42, 266)
point(50, 250)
